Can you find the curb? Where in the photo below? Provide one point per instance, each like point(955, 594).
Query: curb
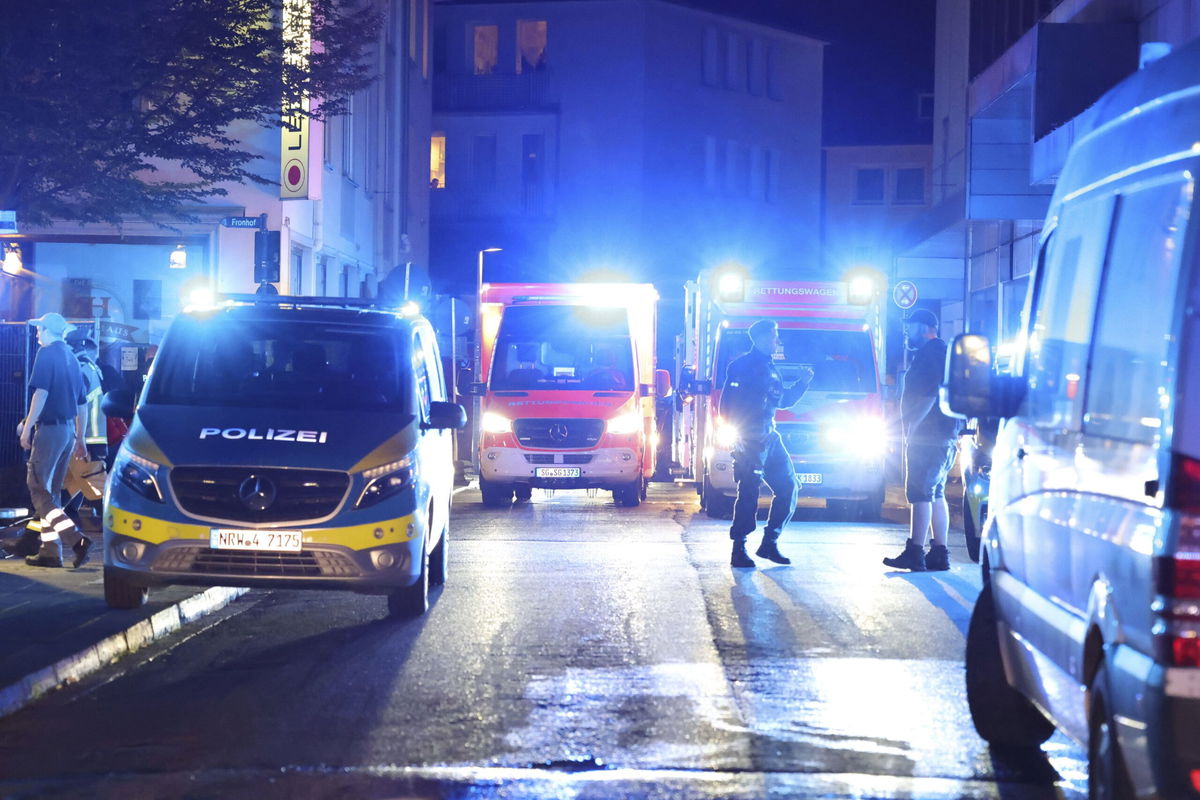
point(75, 667)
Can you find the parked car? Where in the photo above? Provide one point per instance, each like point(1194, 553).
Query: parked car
point(1089, 618)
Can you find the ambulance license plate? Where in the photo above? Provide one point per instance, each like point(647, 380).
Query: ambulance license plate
point(808, 477)
point(557, 472)
point(273, 541)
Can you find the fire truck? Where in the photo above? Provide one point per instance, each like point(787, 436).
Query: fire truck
point(836, 434)
point(568, 387)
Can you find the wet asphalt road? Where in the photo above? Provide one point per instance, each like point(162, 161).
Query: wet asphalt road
point(579, 650)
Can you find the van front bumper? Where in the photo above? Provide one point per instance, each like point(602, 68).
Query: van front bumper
point(374, 558)
point(601, 468)
point(830, 478)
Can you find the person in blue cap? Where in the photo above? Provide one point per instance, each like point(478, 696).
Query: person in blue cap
point(52, 431)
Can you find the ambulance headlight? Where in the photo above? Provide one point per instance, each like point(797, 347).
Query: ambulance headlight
point(385, 481)
point(726, 435)
point(626, 423)
point(139, 474)
point(495, 423)
point(865, 437)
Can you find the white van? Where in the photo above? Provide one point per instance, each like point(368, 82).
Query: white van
point(1089, 619)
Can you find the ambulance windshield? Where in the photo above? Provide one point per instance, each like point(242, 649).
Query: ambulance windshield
point(842, 361)
point(563, 347)
point(274, 364)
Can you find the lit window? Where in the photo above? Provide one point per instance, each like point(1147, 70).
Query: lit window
point(487, 48)
point(437, 161)
point(531, 45)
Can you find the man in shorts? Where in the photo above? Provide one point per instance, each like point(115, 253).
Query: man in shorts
point(930, 448)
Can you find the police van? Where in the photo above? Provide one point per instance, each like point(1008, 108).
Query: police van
point(289, 443)
point(1089, 618)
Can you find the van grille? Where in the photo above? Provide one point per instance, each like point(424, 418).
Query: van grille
point(558, 433)
point(249, 494)
point(801, 439)
point(256, 563)
point(551, 458)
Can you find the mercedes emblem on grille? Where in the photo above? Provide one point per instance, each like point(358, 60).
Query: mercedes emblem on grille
point(256, 493)
point(559, 432)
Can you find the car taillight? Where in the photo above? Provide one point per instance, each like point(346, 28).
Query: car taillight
point(1178, 577)
point(1183, 488)
point(1177, 581)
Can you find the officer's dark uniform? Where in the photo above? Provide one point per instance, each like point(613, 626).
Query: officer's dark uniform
point(753, 392)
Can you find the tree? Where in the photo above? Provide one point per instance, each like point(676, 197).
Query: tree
point(96, 97)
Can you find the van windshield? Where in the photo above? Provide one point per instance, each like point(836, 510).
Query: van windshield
point(278, 364)
point(563, 347)
point(842, 361)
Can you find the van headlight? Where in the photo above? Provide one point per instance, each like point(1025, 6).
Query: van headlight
point(385, 481)
point(865, 437)
point(139, 474)
point(491, 422)
point(726, 435)
point(626, 423)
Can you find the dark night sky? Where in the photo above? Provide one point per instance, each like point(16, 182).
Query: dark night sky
point(879, 58)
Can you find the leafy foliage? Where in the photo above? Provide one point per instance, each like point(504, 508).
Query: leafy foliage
point(96, 98)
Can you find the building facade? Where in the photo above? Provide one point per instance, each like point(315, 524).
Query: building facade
point(1014, 82)
point(364, 213)
point(637, 138)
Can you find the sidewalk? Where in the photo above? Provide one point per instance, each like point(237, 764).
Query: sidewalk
point(55, 627)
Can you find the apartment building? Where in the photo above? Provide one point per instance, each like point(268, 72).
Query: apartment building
point(637, 138)
point(1014, 84)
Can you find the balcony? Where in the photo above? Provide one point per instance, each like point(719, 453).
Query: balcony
point(529, 91)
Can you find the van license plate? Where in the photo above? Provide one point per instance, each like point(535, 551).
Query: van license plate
point(274, 541)
point(557, 472)
point(809, 477)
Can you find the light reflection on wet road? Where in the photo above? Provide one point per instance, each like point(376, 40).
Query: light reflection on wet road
point(578, 651)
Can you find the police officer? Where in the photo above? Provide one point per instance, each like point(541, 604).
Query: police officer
point(752, 393)
point(51, 431)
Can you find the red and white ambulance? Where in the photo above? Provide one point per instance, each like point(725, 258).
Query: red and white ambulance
point(836, 434)
point(568, 389)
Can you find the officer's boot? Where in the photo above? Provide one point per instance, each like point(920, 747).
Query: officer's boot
point(913, 558)
point(938, 557)
point(49, 555)
point(769, 549)
point(740, 558)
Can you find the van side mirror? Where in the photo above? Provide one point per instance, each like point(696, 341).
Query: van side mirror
point(447, 415)
point(117, 403)
point(662, 383)
point(969, 390)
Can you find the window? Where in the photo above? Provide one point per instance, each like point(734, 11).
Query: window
point(869, 186)
point(910, 186)
point(531, 45)
point(712, 57)
point(487, 49)
point(1129, 370)
point(733, 62)
point(483, 161)
point(756, 68)
point(1062, 326)
point(925, 105)
point(774, 79)
point(348, 139)
point(296, 276)
point(437, 161)
point(420, 371)
point(323, 277)
point(533, 159)
point(439, 49)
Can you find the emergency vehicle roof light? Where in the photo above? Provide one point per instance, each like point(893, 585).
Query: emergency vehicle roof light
point(861, 290)
point(731, 286)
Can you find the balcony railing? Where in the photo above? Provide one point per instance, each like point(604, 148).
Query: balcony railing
point(524, 92)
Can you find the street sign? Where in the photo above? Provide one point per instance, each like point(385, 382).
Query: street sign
point(243, 222)
point(904, 294)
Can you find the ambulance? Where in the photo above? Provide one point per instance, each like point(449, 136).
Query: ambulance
point(567, 389)
point(836, 434)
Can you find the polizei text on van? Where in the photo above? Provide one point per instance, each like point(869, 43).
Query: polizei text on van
point(271, 435)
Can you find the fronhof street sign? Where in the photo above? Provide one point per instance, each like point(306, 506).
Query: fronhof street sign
point(904, 294)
